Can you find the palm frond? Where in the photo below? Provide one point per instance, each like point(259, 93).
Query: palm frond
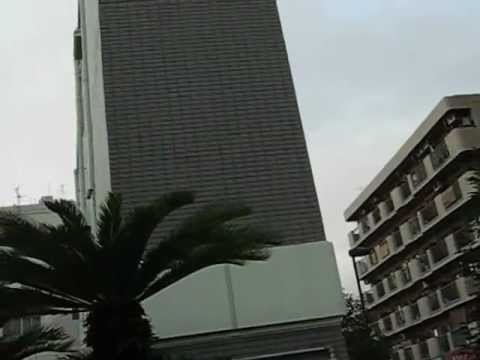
point(195, 230)
point(17, 300)
point(225, 244)
point(135, 233)
point(34, 342)
point(109, 220)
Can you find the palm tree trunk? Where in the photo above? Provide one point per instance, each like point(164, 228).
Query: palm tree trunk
point(118, 331)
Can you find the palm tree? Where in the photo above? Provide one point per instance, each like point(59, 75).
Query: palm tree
point(35, 341)
point(66, 268)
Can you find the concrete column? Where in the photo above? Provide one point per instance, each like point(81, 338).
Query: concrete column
point(434, 347)
point(405, 231)
point(401, 354)
point(416, 352)
point(463, 286)
point(430, 258)
point(383, 210)
point(451, 245)
point(397, 197)
point(414, 267)
point(440, 207)
point(427, 161)
point(423, 307)
point(391, 244)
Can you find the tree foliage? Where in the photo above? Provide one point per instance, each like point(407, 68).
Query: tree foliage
point(362, 342)
point(46, 269)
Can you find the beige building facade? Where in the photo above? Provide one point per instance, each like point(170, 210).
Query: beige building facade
point(411, 218)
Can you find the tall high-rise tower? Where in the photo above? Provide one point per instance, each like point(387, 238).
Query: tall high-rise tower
point(198, 94)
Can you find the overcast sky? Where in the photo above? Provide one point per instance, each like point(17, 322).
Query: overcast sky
point(366, 73)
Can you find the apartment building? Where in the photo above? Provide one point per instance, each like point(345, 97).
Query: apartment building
point(198, 95)
point(411, 221)
point(72, 324)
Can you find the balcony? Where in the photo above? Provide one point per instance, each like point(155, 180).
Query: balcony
point(439, 251)
point(414, 226)
point(418, 175)
point(428, 213)
point(397, 239)
point(451, 195)
point(439, 155)
point(354, 237)
point(376, 216)
point(433, 304)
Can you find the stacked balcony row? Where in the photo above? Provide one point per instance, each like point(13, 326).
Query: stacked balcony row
point(422, 220)
point(418, 268)
point(457, 141)
point(432, 304)
point(433, 347)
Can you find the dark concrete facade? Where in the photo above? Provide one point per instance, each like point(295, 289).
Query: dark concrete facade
point(199, 96)
point(319, 340)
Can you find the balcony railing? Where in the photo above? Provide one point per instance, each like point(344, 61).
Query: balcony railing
point(424, 352)
point(463, 238)
point(392, 282)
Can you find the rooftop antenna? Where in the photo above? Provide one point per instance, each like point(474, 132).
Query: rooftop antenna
point(19, 196)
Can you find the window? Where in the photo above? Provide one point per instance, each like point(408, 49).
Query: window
point(414, 226)
point(376, 215)
point(451, 195)
point(383, 249)
point(459, 336)
point(30, 323)
point(463, 237)
point(418, 174)
point(405, 274)
point(380, 289)
point(405, 191)
point(372, 256)
point(439, 251)
point(389, 206)
point(459, 118)
point(387, 323)
point(428, 212)
point(408, 353)
point(397, 239)
point(450, 293)
point(369, 297)
point(13, 328)
point(439, 155)
point(433, 302)
point(392, 282)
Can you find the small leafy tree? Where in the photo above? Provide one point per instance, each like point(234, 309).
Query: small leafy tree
point(362, 342)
